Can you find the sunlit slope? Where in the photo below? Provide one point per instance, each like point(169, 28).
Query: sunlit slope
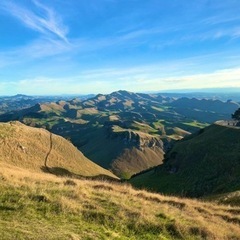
point(42, 206)
point(38, 149)
point(205, 163)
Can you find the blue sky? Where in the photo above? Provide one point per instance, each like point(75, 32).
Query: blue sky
point(100, 46)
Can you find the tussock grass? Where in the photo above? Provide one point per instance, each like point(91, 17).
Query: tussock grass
point(36, 205)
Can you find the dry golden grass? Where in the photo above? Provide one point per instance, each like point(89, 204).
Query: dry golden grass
point(114, 118)
point(181, 132)
point(88, 111)
point(31, 148)
point(51, 107)
point(82, 209)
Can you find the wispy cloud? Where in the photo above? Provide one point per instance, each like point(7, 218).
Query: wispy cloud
point(218, 78)
point(37, 49)
point(40, 18)
point(219, 19)
point(179, 74)
point(182, 74)
point(139, 82)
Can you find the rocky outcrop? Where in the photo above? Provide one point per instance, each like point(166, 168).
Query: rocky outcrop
point(229, 123)
point(136, 139)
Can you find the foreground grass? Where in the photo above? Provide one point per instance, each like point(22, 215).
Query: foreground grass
point(42, 206)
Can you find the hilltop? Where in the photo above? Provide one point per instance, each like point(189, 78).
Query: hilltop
point(39, 150)
point(124, 131)
point(38, 205)
point(202, 164)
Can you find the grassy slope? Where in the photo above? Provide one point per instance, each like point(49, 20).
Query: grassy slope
point(42, 206)
point(206, 163)
point(28, 147)
point(137, 161)
point(111, 152)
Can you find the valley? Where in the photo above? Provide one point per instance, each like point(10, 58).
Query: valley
point(124, 132)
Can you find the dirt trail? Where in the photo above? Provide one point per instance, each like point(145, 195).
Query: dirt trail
point(50, 149)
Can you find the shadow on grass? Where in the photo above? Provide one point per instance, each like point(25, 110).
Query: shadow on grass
point(5, 208)
point(62, 172)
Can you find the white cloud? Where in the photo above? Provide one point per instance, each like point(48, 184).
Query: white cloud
point(136, 80)
point(215, 79)
point(40, 18)
point(219, 19)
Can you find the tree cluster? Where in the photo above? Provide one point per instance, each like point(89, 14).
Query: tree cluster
point(236, 115)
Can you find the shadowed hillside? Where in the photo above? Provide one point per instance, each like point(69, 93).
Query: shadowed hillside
point(38, 149)
point(37, 205)
point(205, 163)
point(205, 110)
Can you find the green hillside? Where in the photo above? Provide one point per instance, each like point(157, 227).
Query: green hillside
point(205, 163)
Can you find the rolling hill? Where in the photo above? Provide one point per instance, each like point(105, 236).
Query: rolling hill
point(39, 150)
point(203, 164)
point(124, 131)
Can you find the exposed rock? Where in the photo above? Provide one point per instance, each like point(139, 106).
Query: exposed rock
point(135, 138)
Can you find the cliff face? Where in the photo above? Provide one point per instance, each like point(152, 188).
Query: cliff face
point(136, 139)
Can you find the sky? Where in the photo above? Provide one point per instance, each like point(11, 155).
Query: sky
point(99, 46)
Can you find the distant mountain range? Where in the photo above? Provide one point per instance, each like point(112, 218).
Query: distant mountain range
point(124, 131)
point(21, 101)
point(223, 94)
